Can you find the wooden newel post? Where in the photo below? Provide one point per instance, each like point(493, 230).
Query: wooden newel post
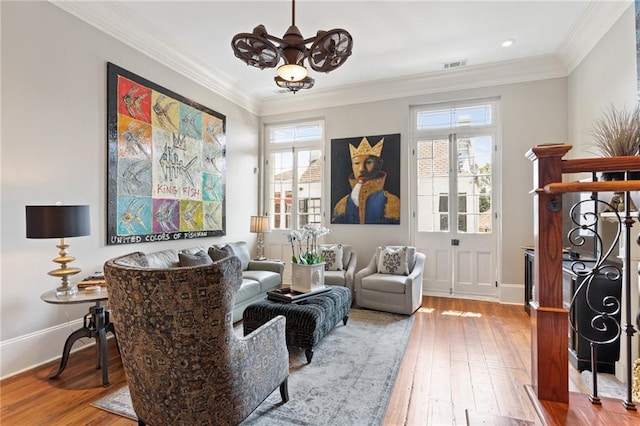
point(549, 319)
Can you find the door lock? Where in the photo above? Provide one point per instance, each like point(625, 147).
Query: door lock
point(455, 242)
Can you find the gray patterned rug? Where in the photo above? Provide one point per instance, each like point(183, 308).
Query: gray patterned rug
point(349, 381)
point(608, 385)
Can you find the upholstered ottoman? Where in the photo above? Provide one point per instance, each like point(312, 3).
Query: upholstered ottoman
point(308, 321)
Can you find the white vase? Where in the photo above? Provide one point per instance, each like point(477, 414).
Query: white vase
point(307, 278)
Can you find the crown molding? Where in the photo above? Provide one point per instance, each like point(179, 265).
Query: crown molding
point(471, 77)
point(120, 22)
point(596, 20)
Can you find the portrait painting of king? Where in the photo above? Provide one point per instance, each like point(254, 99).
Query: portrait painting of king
point(365, 180)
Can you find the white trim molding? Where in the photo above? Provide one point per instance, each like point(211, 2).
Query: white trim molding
point(28, 351)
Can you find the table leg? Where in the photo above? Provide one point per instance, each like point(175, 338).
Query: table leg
point(309, 354)
point(99, 326)
point(103, 349)
point(78, 334)
point(96, 327)
point(111, 328)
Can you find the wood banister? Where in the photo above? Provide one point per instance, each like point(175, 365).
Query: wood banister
point(608, 164)
point(549, 318)
point(611, 186)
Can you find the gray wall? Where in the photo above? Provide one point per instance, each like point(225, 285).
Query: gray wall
point(54, 149)
point(605, 77)
point(532, 113)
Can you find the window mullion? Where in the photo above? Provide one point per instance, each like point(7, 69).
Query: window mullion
point(295, 217)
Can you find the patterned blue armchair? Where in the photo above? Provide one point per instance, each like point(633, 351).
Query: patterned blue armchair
point(183, 362)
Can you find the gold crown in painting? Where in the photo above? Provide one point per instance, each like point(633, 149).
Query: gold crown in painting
point(365, 149)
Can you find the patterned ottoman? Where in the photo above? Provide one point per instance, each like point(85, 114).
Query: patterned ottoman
point(308, 321)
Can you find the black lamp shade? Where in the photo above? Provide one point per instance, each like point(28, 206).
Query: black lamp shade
point(57, 221)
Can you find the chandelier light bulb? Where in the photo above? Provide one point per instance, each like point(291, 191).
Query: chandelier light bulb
point(292, 72)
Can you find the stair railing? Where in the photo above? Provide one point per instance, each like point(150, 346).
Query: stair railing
point(549, 317)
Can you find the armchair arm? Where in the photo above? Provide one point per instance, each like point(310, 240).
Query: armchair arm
point(414, 284)
point(266, 265)
point(418, 267)
point(351, 270)
point(264, 352)
point(370, 269)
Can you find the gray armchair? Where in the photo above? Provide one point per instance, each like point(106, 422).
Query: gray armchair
point(339, 273)
point(183, 362)
point(396, 287)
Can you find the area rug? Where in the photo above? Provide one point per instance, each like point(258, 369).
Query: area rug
point(349, 381)
point(608, 385)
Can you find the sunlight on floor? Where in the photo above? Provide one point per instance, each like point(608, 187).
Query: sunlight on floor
point(461, 314)
point(426, 310)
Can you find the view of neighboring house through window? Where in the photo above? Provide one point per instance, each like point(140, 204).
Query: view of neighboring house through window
point(295, 156)
point(458, 133)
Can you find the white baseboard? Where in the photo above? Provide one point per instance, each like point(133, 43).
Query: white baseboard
point(510, 294)
point(31, 350)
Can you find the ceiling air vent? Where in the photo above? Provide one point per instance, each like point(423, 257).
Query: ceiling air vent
point(455, 64)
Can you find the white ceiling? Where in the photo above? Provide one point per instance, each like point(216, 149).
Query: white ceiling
point(399, 47)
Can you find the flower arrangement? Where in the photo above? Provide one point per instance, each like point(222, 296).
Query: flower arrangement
point(304, 244)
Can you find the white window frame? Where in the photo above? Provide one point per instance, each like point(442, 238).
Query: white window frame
point(293, 146)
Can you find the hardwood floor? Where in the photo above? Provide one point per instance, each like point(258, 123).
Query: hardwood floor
point(463, 355)
point(464, 359)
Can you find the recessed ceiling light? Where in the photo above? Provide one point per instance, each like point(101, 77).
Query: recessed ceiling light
point(508, 43)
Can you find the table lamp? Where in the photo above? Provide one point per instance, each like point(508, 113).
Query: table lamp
point(260, 225)
point(59, 222)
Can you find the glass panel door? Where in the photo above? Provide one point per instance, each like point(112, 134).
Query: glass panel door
point(454, 223)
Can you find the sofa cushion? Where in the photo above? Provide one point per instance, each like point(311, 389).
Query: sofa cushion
point(393, 260)
point(219, 252)
point(163, 259)
point(194, 259)
point(385, 283)
point(137, 259)
point(268, 280)
point(238, 249)
point(241, 250)
point(247, 290)
point(332, 255)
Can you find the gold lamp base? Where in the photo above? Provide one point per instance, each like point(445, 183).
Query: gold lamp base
point(65, 289)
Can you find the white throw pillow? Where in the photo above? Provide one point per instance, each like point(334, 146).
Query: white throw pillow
point(332, 257)
point(393, 261)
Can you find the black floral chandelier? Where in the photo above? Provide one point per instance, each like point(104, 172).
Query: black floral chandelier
point(328, 50)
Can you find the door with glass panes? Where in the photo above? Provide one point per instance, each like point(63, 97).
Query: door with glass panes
point(454, 222)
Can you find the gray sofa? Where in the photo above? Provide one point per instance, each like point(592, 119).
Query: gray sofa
point(258, 276)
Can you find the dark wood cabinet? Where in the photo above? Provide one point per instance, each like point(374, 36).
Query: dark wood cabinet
point(528, 278)
point(582, 314)
point(601, 290)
